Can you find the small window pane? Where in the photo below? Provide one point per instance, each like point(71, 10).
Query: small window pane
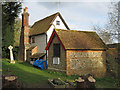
point(56, 60)
point(57, 22)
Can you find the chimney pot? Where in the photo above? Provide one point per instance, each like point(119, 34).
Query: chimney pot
point(26, 9)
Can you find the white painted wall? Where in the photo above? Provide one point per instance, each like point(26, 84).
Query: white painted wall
point(61, 26)
point(40, 41)
point(49, 32)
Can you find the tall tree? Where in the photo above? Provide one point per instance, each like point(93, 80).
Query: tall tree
point(10, 10)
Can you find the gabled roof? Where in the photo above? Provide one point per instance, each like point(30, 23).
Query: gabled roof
point(43, 25)
point(72, 39)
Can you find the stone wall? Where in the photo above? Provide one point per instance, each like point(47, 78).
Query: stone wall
point(112, 62)
point(62, 65)
point(86, 62)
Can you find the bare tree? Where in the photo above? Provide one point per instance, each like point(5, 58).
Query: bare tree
point(113, 22)
point(103, 33)
point(109, 33)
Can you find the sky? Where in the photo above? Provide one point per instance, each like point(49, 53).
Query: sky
point(78, 14)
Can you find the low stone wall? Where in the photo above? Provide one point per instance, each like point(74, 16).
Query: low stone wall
point(112, 62)
point(86, 62)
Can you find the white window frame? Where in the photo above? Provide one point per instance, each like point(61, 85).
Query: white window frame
point(56, 60)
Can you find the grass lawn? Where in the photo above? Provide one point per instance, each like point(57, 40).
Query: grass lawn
point(32, 77)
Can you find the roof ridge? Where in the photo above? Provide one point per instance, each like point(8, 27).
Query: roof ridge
point(44, 24)
point(74, 30)
point(45, 18)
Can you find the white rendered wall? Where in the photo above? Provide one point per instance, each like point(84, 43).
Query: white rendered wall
point(61, 26)
point(40, 41)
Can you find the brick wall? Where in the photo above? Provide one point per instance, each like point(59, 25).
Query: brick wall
point(86, 62)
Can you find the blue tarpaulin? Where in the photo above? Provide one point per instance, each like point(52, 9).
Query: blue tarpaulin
point(41, 64)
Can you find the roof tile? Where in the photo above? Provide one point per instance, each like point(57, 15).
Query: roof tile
point(43, 25)
point(73, 39)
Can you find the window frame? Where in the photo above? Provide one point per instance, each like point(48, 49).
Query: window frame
point(57, 22)
point(56, 60)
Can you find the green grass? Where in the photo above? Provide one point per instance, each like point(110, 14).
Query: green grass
point(106, 82)
point(33, 77)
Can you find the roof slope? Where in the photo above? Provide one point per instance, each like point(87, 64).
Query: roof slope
point(43, 25)
point(72, 39)
point(38, 55)
point(80, 39)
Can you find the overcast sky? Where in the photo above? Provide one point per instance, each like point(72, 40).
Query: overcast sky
point(78, 15)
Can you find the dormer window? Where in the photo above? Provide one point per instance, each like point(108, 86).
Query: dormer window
point(57, 22)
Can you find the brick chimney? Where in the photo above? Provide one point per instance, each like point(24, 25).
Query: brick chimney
point(24, 38)
point(25, 16)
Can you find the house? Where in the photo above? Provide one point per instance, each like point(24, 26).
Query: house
point(37, 36)
point(76, 53)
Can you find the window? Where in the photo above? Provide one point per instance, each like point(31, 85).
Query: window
point(56, 60)
point(57, 22)
point(56, 53)
point(33, 39)
point(56, 50)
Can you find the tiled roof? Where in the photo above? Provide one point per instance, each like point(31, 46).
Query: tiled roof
point(43, 25)
point(73, 39)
